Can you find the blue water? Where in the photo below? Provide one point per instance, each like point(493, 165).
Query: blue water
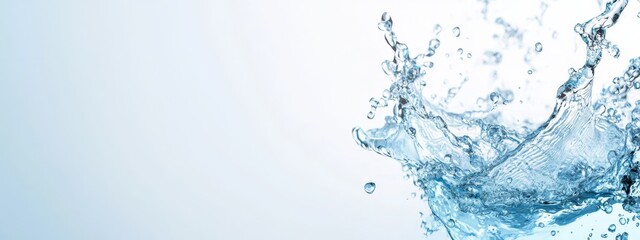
point(484, 179)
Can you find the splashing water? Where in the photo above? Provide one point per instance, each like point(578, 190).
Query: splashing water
point(486, 180)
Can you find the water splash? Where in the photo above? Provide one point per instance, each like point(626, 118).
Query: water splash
point(484, 179)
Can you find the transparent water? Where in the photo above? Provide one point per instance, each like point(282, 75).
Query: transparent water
point(487, 178)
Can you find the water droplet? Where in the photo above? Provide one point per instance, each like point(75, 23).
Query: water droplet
point(622, 236)
point(604, 235)
point(530, 72)
point(456, 31)
point(469, 55)
point(413, 195)
point(369, 187)
point(538, 47)
point(385, 17)
point(437, 29)
point(460, 51)
point(623, 221)
point(612, 228)
point(434, 44)
point(371, 114)
point(541, 225)
point(495, 97)
point(553, 232)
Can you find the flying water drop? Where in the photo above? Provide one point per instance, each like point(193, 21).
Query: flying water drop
point(369, 187)
point(538, 47)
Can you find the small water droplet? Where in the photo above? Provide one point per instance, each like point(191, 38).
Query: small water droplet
point(434, 43)
point(469, 55)
point(538, 47)
point(530, 72)
point(371, 114)
point(623, 221)
point(604, 235)
point(460, 51)
point(437, 29)
point(413, 195)
point(369, 187)
point(622, 236)
point(553, 232)
point(541, 225)
point(456, 31)
point(612, 228)
point(494, 96)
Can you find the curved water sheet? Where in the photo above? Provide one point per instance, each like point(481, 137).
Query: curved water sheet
point(483, 179)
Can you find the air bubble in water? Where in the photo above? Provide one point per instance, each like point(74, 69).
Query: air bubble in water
point(456, 31)
point(538, 47)
point(369, 187)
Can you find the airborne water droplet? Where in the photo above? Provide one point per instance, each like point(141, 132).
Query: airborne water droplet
point(538, 47)
point(369, 187)
point(456, 31)
point(437, 29)
point(612, 228)
point(553, 232)
point(530, 72)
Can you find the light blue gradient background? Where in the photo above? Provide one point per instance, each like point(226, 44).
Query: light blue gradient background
point(206, 119)
point(192, 120)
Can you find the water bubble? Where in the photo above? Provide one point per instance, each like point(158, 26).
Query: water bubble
point(369, 187)
point(553, 232)
point(540, 225)
point(538, 47)
point(456, 31)
point(413, 195)
point(460, 51)
point(612, 228)
point(469, 55)
point(530, 72)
